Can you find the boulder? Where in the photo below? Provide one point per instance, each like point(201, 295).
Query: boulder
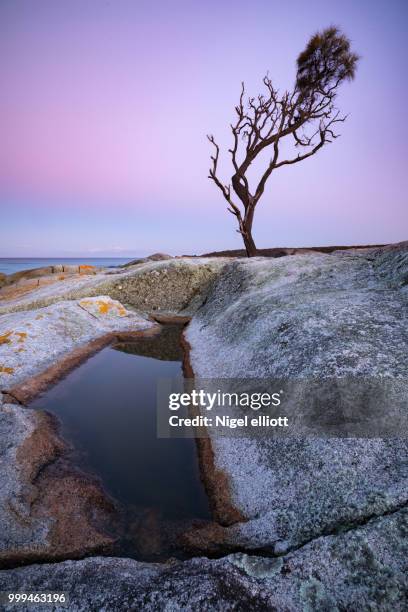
point(140, 260)
point(310, 317)
point(391, 264)
point(24, 282)
point(27, 274)
point(50, 270)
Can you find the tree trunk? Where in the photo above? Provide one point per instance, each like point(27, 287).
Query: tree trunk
point(247, 233)
point(250, 246)
point(249, 243)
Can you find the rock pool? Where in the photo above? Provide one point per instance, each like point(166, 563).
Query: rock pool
point(107, 411)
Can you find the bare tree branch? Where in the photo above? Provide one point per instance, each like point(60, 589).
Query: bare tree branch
point(303, 119)
point(225, 189)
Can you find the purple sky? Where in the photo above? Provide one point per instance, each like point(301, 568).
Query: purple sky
point(105, 107)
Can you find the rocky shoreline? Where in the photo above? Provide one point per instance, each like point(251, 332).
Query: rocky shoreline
point(300, 524)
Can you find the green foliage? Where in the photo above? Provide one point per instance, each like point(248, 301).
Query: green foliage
point(326, 61)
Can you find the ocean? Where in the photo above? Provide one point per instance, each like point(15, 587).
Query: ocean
point(9, 265)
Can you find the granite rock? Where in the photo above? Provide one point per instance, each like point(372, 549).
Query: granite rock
point(169, 286)
point(49, 510)
point(318, 524)
point(310, 317)
point(32, 341)
point(141, 260)
point(361, 569)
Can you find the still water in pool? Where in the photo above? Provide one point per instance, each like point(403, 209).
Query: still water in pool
point(107, 409)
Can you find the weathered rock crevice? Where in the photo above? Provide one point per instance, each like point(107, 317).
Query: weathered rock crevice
point(45, 461)
point(215, 481)
point(362, 569)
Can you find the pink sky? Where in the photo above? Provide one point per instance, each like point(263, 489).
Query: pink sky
point(105, 107)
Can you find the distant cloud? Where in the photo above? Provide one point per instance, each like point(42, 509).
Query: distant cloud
point(115, 249)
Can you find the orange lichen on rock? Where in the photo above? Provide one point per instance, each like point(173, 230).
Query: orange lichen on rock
point(5, 338)
point(84, 269)
point(85, 303)
point(8, 337)
point(6, 370)
point(104, 307)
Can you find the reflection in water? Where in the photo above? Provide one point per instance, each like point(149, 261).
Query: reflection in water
point(107, 407)
point(165, 346)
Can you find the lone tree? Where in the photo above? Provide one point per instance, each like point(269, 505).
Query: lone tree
point(305, 118)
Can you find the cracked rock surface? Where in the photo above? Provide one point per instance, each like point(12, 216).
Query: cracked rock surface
point(362, 569)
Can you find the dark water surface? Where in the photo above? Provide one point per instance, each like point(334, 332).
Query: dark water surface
point(107, 407)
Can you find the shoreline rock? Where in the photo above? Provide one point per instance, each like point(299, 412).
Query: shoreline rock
point(166, 286)
point(328, 516)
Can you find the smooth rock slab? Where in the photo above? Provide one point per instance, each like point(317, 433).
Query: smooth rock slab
point(310, 316)
point(362, 569)
point(304, 315)
point(31, 341)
